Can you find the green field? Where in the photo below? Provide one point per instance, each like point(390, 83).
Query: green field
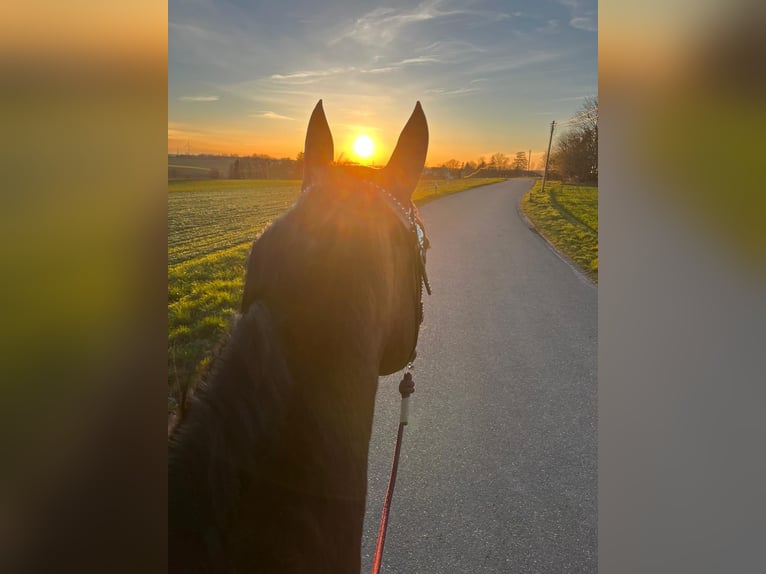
point(211, 225)
point(210, 216)
point(567, 215)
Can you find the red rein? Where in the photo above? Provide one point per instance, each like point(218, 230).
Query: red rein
point(406, 388)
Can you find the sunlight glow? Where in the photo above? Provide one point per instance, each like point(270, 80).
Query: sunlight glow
point(363, 146)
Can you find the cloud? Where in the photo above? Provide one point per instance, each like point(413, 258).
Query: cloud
point(455, 92)
point(311, 74)
point(583, 14)
point(586, 23)
point(419, 60)
point(185, 131)
point(199, 98)
point(382, 25)
point(447, 49)
point(506, 64)
point(382, 70)
point(271, 116)
point(442, 52)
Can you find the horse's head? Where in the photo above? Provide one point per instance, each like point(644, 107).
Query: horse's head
point(352, 257)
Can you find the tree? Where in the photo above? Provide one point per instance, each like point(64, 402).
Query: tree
point(576, 151)
point(499, 161)
point(234, 169)
point(520, 161)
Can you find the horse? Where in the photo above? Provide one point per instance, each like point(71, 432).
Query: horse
point(267, 465)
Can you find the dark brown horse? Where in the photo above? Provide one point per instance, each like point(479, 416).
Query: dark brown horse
point(268, 464)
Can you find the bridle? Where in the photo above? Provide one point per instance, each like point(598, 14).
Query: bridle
point(409, 217)
point(411, 220)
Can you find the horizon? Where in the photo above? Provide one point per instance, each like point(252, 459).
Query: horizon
point(490, 75)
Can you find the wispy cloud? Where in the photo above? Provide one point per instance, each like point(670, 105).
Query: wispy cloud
point(587, 23)
point(514, 63)
point(401, 64)
point(271, 116)
point(452, 50)
point(382, 25)
point(419, 60)
point(441, 52)
point(311, 74)
point(179, 130)
point(199, 98)
point(455, 92)
point(583, 14)
point(383, 70)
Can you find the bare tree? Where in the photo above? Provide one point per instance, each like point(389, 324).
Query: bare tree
point(520, 161)
point(499, 161)
point(576, 151)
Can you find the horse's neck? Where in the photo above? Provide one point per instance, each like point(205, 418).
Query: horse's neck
point(281, 407)
point(229, 426)
point(334, 380)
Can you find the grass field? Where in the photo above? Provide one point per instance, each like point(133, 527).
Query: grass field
point(211, 225)
point(567, 215)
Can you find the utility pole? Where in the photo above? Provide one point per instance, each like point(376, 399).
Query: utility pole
point(547, 157)
point(529, 162)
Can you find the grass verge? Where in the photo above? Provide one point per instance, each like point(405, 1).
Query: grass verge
point(567, 216)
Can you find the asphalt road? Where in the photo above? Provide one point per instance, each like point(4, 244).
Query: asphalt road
point(498, 471)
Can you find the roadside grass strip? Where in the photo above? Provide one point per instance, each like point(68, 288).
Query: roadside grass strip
point(567, 216)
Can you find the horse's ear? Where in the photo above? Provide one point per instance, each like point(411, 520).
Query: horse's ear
point(406, 164)
point(318, 152)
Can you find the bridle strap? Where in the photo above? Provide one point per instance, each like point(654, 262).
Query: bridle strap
point(410, 217)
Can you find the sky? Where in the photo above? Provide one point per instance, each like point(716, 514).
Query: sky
point(491, 75)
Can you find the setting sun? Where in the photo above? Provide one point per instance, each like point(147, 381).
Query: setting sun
point(363, 146)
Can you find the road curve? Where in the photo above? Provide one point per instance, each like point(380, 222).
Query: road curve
point(499, 462)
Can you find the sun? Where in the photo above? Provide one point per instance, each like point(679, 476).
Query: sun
point(363, 146)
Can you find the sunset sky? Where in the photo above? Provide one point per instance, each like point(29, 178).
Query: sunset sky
point(243, 76)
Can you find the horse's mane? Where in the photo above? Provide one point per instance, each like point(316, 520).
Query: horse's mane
point(227, 441)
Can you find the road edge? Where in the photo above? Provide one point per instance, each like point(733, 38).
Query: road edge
point(556, 251)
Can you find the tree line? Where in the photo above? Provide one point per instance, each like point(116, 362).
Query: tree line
point(265, 167)
point(498, 165)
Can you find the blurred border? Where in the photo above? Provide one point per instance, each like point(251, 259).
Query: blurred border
point(682, 305)
point(83, 297)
